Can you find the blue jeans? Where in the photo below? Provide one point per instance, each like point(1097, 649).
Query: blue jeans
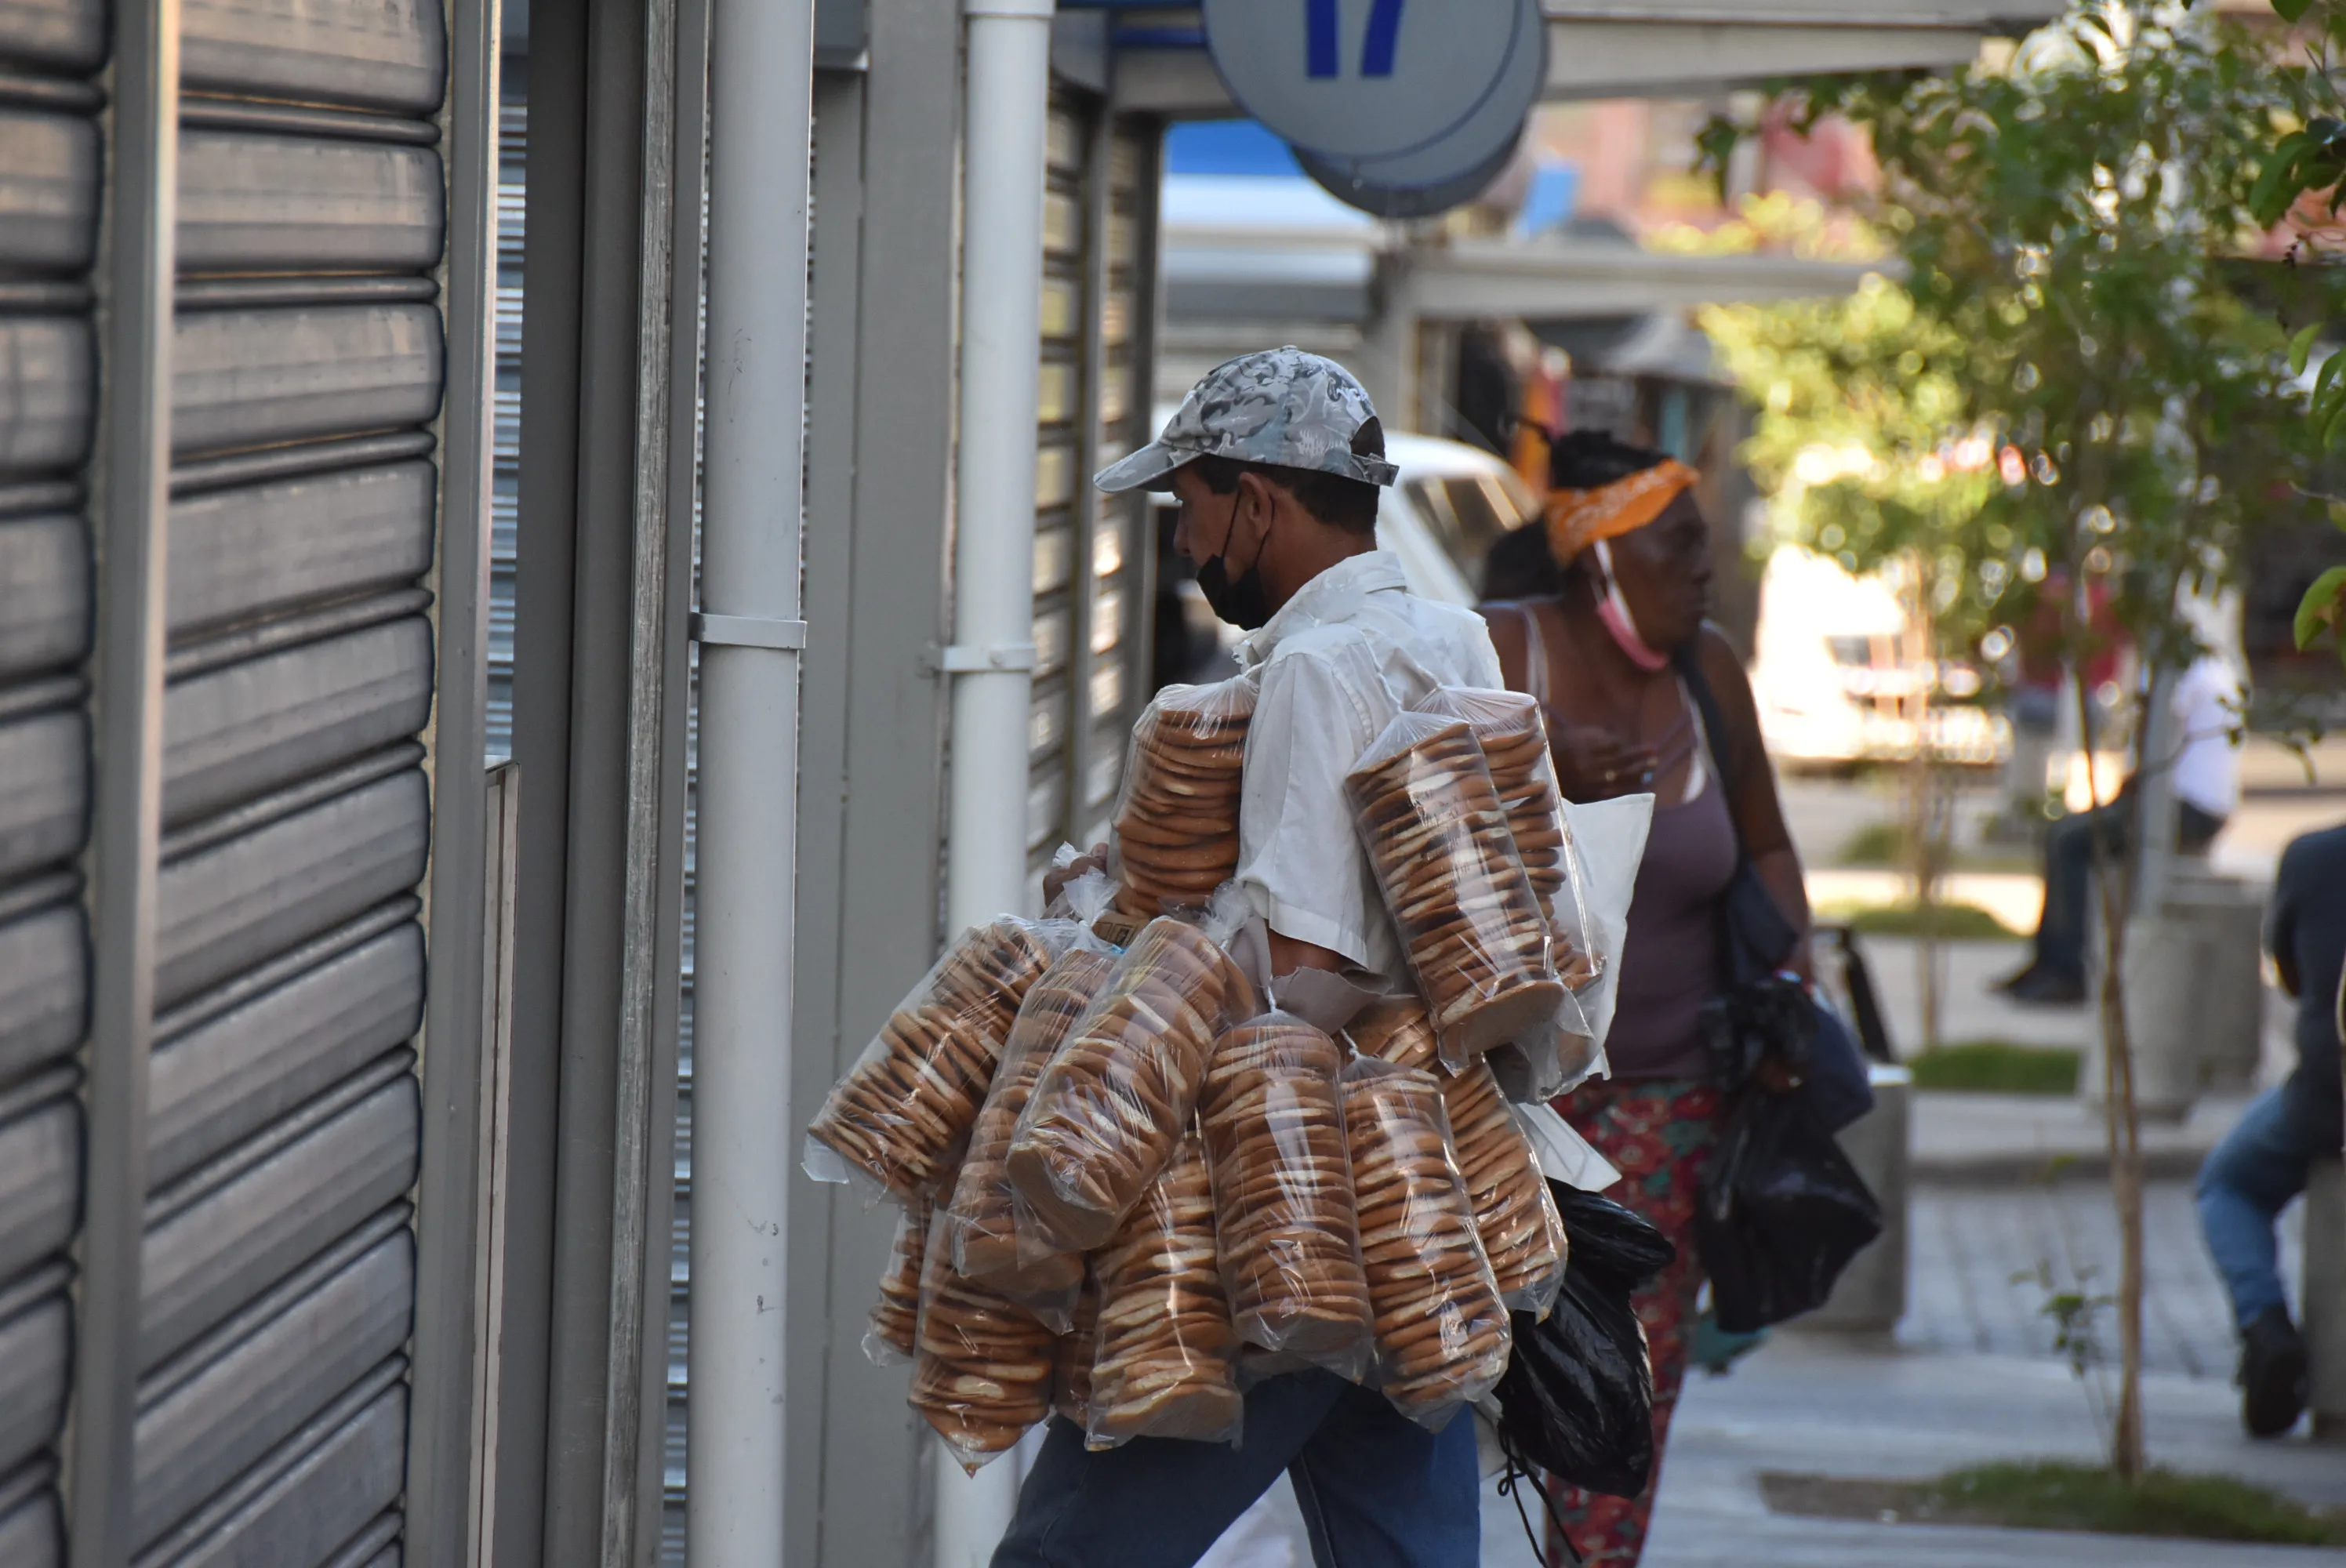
point(2246, 1181)
point(1377, 1490)
point(2069, 869)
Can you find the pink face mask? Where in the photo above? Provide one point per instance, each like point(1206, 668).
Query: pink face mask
point(1614, 611)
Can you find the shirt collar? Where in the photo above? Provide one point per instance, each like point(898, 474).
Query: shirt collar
point(1336, 595)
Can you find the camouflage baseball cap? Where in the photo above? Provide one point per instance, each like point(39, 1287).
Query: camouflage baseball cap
point(1280, 406)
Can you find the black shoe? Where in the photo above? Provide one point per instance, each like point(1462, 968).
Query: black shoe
point(2272, 1379)
point(2043, 988)
point(2017, 978)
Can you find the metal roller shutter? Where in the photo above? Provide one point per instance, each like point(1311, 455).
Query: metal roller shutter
point(1090, 640)
point(278, 1266)
point(50, 153)
point(30, 1535)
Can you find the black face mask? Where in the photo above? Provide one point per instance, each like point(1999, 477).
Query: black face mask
point(1242, 601)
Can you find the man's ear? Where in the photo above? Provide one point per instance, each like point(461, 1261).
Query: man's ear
point(1258, 501)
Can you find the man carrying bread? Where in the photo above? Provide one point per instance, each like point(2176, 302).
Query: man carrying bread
point(1276, 459)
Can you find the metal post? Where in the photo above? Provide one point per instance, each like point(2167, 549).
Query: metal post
point(134, 497)
point(1006, 117)
point(762, 84)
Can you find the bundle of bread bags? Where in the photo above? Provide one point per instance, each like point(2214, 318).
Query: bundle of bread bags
point(1131, 1185)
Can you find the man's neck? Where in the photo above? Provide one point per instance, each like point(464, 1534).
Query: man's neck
point(1315, 548)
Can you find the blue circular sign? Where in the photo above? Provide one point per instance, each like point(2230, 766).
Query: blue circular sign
point(1353, 79)
point(1459, 164)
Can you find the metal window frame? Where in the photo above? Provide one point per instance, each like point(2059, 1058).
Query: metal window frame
point(879, 476)
point(599, 733)
point(131, 504)
point(441, 1416)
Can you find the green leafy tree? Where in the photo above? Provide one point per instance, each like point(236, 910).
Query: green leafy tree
point(2303, 182)
point(1860, 439)
point(2067, 218)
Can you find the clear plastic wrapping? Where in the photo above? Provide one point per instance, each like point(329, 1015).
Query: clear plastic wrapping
point(1475, 934)
point(982, 1369)
point(1442, 1336)
point(896, 1317)
point(1165, 1352)
point(1175, 835)
point(1291, 1254)
point(903, 1112)
point(980, 1217)
point(1112, 1103)
point(1515, 1215)
point(1071, 1385)
point(1512, 734)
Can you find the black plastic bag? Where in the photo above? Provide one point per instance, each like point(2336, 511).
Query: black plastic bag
point(1608, 1241)
point(1577, 1399)
point(1782, 1213)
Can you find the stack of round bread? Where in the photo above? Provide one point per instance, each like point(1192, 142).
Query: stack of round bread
point(902, 1110)
point(1515, 747)
point(992, 967)
point(1166, 1347)
point(1176, 824)
point(1111, 1105)
point(1442, 1336)
point(983, 1373)
point(1078, 1348)
point(1291, 1255)
point(984, 1237)
point(1476, 935)
point(1515, 1215)
point(896, 1316)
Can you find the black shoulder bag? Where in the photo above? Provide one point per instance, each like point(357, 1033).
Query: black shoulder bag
point(1782, 1210)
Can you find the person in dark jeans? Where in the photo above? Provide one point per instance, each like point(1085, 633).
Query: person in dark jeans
point(2262, 1164)
point(2206, 780)
point(2056, 975)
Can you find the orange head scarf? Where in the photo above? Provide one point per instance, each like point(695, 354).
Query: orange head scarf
point(1579, 518)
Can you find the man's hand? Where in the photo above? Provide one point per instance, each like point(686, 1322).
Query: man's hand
point(1593, 763)
point(1058, 877)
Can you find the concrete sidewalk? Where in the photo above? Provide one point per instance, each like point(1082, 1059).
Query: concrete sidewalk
point(1822, 1405)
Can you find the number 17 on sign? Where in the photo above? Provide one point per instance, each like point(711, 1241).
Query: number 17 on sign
point(1377, 46)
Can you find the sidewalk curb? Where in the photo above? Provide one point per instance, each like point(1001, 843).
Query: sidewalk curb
point(2037, 1168)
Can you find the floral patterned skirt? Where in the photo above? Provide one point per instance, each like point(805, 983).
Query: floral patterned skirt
point(1659, 1132)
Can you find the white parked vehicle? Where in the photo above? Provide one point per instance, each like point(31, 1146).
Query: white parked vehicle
point(1832, 682)
point(1450, 506)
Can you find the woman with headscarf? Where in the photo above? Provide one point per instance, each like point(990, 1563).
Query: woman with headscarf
point(1599, 614)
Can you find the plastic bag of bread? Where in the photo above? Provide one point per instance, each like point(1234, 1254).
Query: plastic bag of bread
point(1174, 838)
point(896, 1316)
point(1438, 840)
point(1112, 1103)
point(1513, 733)
point(1442, 1336)
point(904, 1111)
point(1515, 1215)
point(980, 1218)
point(982, 1365)
point(1071, 1383)
point(1274, 1135)
point(1166, 1348)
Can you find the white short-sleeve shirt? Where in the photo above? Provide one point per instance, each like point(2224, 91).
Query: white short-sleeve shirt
point(1339, 661)
point(2207, 762)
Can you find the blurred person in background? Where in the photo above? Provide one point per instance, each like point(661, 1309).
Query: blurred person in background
point(2207, 782)
point(2262, 1164)
point(1599, 614)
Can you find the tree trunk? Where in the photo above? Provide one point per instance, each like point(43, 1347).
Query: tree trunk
point(2124, 1125)
point(1922, 855)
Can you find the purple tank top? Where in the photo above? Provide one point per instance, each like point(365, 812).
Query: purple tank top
point(1669, 957)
